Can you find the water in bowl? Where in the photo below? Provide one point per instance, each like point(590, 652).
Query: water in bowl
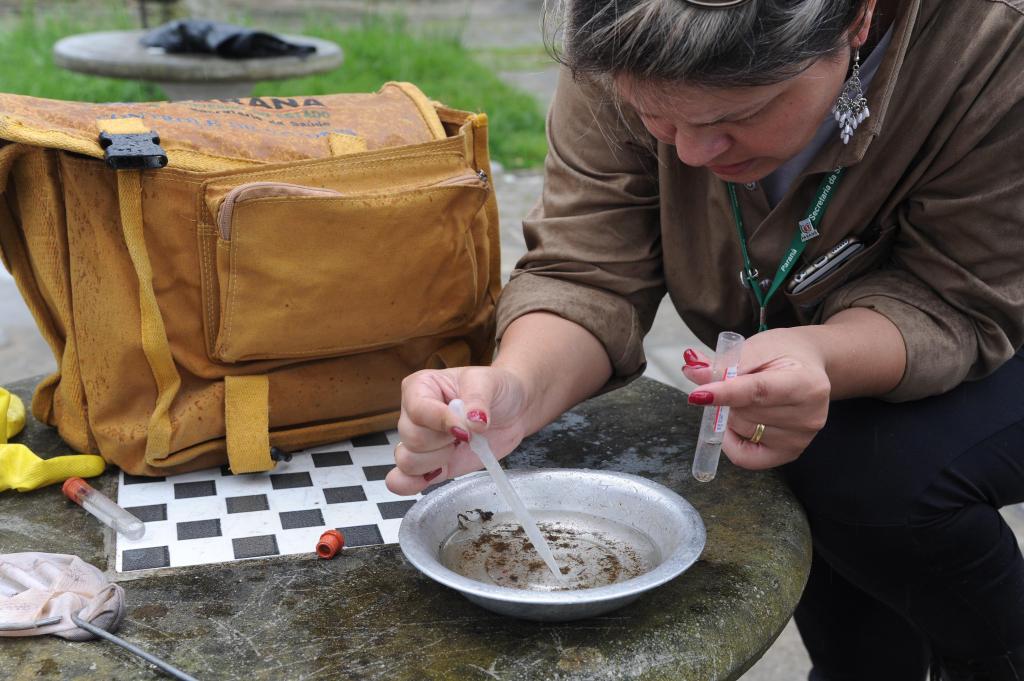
point(592, 551)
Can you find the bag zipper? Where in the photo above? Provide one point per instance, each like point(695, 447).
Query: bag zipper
point(467, 179)
point(227, 208)
point(241, 192)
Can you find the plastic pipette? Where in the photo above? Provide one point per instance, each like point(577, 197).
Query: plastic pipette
point(712, 424)
point(105, 510)
point(482, 448)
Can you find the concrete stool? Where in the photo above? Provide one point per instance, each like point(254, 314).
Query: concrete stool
point(370, 615)
point(119, 54)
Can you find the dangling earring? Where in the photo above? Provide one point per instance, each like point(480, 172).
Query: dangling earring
point(851, 108)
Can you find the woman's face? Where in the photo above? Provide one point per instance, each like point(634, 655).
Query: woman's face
point(739, 134)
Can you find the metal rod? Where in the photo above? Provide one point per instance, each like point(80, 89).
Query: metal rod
point(135, 650)
point(45, 622)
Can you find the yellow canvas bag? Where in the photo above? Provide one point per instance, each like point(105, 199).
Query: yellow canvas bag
point(219, 277)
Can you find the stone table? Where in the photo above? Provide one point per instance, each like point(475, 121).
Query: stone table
point(119, 54)
point(368, 614)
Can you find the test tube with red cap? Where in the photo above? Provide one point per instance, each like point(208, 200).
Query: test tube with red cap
point(105, 510)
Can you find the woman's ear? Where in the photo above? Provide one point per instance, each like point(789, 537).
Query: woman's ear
point(861, 27)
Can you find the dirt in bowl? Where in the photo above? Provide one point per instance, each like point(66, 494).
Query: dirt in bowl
point(591, 551)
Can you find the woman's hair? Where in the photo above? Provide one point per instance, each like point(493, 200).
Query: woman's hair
point(756, 43)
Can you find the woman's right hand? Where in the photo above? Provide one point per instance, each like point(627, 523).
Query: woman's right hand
point(545, 365)
point(433, 445)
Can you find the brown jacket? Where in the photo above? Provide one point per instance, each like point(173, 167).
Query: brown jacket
point(935, 181)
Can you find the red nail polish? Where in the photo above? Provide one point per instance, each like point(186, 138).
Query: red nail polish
point(431, 475)
point(477, 416)
point(459, 434)
point(701, 397)
point(691, 358)
point(697, 365)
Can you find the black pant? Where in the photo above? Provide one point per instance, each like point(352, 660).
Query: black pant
point(911, 556)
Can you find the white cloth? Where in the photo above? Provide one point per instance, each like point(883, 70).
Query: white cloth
point(37, 586)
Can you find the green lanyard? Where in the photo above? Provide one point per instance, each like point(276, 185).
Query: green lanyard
point(807, 229)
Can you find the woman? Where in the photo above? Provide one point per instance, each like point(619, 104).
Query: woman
point(694, 148)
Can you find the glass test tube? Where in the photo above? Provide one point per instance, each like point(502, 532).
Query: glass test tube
point(712, 424)
point(105, 510)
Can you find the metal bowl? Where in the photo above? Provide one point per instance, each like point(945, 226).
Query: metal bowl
point(672, 525)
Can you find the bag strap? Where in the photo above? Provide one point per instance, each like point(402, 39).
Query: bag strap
point(153, 332)
point(343, 145)
point(247, 423)
point(454, 354)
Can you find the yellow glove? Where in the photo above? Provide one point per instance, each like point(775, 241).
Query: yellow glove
point(12, 416)
point(21, 469)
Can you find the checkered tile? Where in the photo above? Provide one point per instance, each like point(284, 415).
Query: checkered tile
point(213, 516)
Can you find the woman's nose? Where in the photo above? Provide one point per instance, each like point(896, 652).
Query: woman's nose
point(700, 147)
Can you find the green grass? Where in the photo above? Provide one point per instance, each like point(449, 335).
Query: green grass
point(26, 44)
point(376, 51)
point(519, 58)
point(380, 50)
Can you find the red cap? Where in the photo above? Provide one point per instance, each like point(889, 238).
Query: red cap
point(330, 543)
point(75, 489)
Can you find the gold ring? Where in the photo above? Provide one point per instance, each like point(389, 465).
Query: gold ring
point(758, 434)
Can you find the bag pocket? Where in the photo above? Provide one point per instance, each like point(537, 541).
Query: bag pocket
point(311, 272)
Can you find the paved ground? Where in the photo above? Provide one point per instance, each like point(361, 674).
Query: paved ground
point(23, 352)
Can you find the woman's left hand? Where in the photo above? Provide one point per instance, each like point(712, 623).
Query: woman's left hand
point(781, 383)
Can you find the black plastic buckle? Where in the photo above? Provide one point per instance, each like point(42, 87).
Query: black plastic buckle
point(280, 455)
point(133, 151)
